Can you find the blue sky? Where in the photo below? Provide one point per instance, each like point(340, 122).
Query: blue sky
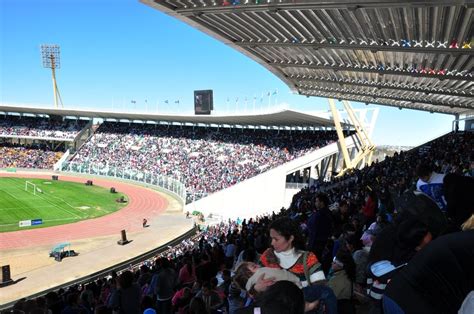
point(115, 51)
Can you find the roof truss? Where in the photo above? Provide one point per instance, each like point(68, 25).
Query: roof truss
point(408, 54)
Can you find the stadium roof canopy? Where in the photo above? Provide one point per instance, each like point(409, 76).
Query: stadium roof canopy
point(414, 54)
point(287, 118)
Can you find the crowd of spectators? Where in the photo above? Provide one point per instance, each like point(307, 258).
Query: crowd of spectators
point(389, 212)
point(207, 159)
point(28, 156)
point(38, 153)
point(369, 244)
point(450, 154)
point(40, 127)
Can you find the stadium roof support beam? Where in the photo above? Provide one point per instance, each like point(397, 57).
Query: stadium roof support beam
point(314, 5)
point(367, 100)
point(372, 48)
point(408, 47)
point(381, 85)
point(422, 100)
point(380, 72)
point(368, 146)
point(340, 134)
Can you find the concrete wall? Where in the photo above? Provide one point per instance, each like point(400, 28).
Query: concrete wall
point(261, 194)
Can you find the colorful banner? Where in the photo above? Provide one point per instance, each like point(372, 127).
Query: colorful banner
point(36, 222)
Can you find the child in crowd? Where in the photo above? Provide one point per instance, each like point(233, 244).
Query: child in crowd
point(248, 273)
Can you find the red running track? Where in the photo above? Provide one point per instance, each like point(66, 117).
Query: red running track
point(143, 203)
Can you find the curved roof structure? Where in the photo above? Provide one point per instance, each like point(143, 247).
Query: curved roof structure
point(286, 118)
point(407, 54)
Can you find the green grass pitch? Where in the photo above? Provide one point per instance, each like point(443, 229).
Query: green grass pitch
point(59, 202)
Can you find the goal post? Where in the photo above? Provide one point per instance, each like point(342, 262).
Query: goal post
point(30, 186)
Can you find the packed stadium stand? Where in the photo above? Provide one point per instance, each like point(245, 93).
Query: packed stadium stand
point(208, 159)
point(28, 156)
point(36, 127)
point(394, 237)
point(365, 217)
point(36, 142)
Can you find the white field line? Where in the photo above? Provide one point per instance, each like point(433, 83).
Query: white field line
point(63, 200)
point(34, 197)
point(47, 200)
point(12, 195)
point(22, 207)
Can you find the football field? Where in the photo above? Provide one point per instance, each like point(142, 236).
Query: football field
point(55, 202)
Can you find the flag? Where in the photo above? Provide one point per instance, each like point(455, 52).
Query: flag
point(176, 101)
point(166, 101)
point(268, 94)
point(133, 101)
point(275, 92)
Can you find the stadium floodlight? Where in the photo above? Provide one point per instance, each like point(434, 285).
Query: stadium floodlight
point(51, 60)
point(50, 55)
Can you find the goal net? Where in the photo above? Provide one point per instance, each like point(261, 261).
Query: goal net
point(31, 187)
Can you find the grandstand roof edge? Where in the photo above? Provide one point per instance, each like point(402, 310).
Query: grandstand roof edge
point(296, 60)
point(282, 117)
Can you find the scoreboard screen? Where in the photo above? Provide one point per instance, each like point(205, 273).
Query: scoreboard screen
point(203, 101)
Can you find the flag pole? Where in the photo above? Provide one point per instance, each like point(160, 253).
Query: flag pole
point(269, 100)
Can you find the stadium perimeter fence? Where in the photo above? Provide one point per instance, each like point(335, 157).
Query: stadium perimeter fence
point(174, 186)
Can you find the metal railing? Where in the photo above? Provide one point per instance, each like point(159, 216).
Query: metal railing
point(296, 185)
point(171, 185)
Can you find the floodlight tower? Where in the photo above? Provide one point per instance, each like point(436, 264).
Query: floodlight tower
point(50, 56)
